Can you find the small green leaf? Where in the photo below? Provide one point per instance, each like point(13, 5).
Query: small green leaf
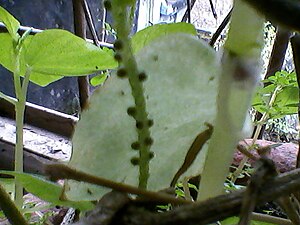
point(59, 52)
point(149, 34)
point(11, 23)
point(99, 79)
point(46, 190)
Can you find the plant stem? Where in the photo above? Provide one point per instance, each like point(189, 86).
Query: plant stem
point(260, 123)
point(236, 88)
point(7, 98)
point(10, 210)
point(59, 171)
point(136, 79)
point(270, 219)
point(20, 91)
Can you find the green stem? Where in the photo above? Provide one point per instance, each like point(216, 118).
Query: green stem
point(121, 18)
point(7, 98)
point(19, 108)
point(19, 129)
point(260, 123)
point(20, 90)
point(26, 83)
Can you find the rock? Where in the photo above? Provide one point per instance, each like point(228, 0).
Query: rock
point(284, 156)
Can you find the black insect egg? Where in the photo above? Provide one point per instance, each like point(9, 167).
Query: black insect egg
point(142, 76)
point(131, 111)
point(135, 161)
point(148, 141)
point(118, 57)
point(118, 45)
point(122, 73)
point(135, 145)
point(150, 123)
point(151, 155)
point(139, 125)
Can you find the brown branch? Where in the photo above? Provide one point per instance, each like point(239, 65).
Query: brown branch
point(205, 212)
point(284, 12)
point(242, 149)
point(295, 41)
point(59, 171)
point(80, 30)
point(10, 210)
point(278, 52)
point(214, 209)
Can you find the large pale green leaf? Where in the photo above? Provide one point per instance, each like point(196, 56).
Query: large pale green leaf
point(180, 91)
point(46, 190)
point(10, 22)
point(147, 35)
point(59, 52)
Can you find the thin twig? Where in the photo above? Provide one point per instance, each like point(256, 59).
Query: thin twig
point(185, 17)
point(188, 10)
point(220, 28)
point(246, 152)
point(213, 10)
point(90, 22)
